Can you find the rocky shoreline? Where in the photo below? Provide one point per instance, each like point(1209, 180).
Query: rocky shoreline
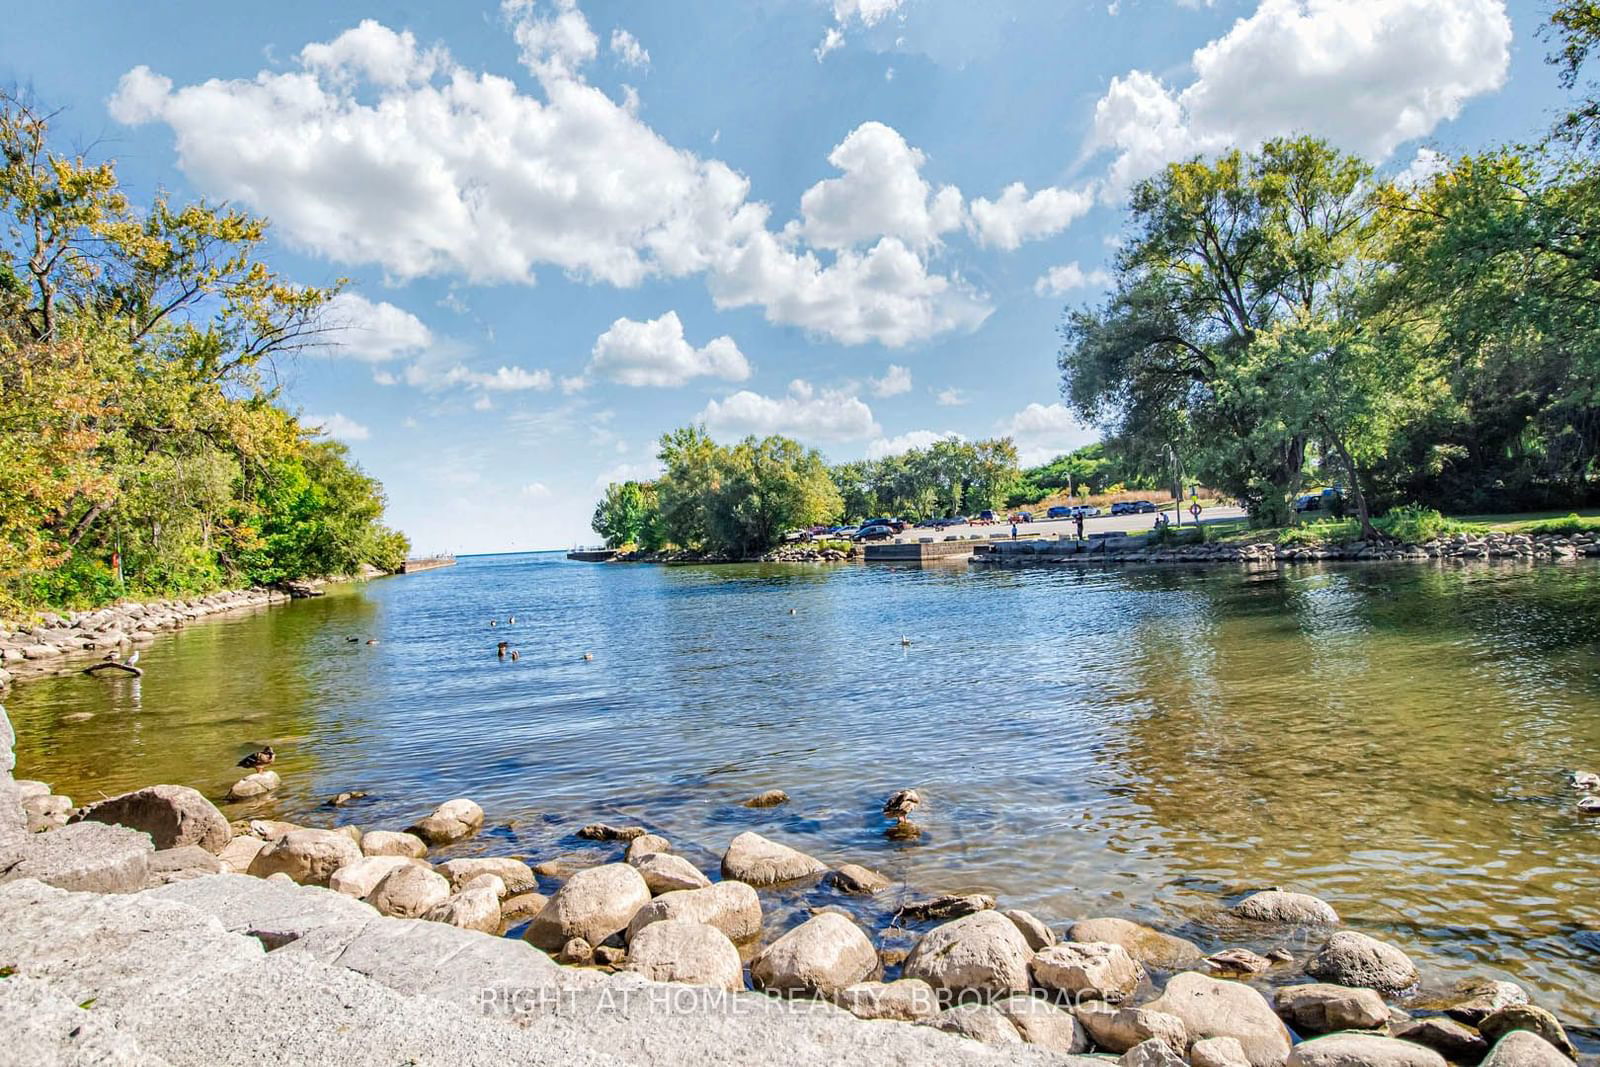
point(118, 912)
point(81, 637)
point(1532, 548)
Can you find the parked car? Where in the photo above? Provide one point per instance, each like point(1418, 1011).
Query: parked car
point(1059, 513)
point(1132, 507)
point(846, 532)
point(1022, 516)
point(1088, 511)
point(986, 516)
point(895, 525)
point(876, 532)
point(1323, 500)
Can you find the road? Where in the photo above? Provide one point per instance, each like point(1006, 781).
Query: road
point(1054, 527)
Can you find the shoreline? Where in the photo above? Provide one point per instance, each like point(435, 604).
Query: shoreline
point(80, 638)
point(955, 974)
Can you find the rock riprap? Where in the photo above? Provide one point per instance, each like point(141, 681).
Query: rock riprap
point(819, 957)
point(1320, 1008)
point(308, 856)
point(1042, 1023)
point(982, 954)
point(393, 843)
point(664, 873)
point(907, 1000)
point(594, 904)
point(362, 877)
point(1088, 970)
point(1212, 1007)
point(172, 815)
point(449, 822)
point(1353, 959)
point(756, 861)
point(680, 950)
point(517, 875)
point(409, 891)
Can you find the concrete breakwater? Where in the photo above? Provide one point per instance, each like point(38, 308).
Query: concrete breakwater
point(1540, 548)
point(81, 637)
point(135, 923)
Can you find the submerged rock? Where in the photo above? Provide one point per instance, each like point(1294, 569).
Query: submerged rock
point(946, 907)
point(854, 878)
point(756, 861)
point(1474, 999)
point(599, 831)
point(1278, 906)
point(1238, 961)
point(770, 799)
point(819, 957)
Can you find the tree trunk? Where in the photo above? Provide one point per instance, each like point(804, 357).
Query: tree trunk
point(1368, 531)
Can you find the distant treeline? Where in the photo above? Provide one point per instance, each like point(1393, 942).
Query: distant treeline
point(142, 448)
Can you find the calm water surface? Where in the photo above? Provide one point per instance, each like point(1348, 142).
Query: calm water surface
point(1146, 743)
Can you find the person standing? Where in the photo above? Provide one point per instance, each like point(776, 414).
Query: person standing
point(1013, 529)
point(1079, 517)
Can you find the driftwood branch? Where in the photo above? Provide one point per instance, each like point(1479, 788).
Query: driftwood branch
point(113, 665)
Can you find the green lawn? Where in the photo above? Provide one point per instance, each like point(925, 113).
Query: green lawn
point(1587, 519)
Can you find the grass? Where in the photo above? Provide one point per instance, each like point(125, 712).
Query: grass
point(1549, 522)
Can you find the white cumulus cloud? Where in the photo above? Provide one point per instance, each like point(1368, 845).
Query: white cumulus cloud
point(861, 12)
point(1020, 216)
point(1043, 431)
point(883, 447)
point(378, 151)
point(881, 193)
point(338, 426)
point(626, 47)
point(1068, 277)
point(372, 332)
point(896, 380)
point(656, 353)
point(1368, 75)
point(803, 412)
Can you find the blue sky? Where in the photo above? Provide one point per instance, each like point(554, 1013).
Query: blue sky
point(570, 227)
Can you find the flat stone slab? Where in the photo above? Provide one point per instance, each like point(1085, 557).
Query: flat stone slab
point(89, 857)
point(275, 913)
point(54, 1030)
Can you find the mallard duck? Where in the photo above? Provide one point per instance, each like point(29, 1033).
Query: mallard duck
point(263, 758)
point(515, 655)
point(587, 656)
point(902, 803)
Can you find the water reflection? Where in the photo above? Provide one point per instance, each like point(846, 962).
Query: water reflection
point(1142, 742)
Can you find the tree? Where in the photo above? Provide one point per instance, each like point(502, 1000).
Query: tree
point(765, 489)
point(1191, 351)
point(628, 514)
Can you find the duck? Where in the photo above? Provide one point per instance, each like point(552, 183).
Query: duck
point(511, 620)
point(791, 611)
point(263, 758)
point(502, 648)
point(372, 640)
point(515, 655)
point(902, 803)
point(1587, 781)
point(587, 656)
point(905, 642)
point(133, 659)
point(352, 639)
point(493, 623)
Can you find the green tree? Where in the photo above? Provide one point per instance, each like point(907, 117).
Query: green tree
point(628, 514)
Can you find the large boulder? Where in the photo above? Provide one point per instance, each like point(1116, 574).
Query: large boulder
point(1088, 970)
point(361, 877)
point(172, 815)
point(819, 957)
point(594, 904)
point(1120, 1029)
point(1529, 1017)
point(409, 891)
point(1475, 999)
point(1150, 947)
point(1362, 1050)
point(85, 857)
point(1354, 959)
point(470, 909)
point(308, 856)
point(982, 954)
point(1043, 1023)
point(1211, 1007)
point(450, 821)
point(517, 875)
point(908, 1000)
point(1289, 909)
point(665, 873)
point(1524, 1048)
point(732, 907)
point(980, 1022)
point(756, 861)
point(1034, 930)
point(680, 950)
point(393, 843)
point(1323, 1009)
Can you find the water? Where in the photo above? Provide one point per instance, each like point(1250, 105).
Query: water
point(1146, 743)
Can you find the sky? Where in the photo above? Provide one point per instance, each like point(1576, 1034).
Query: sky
point(567, 227)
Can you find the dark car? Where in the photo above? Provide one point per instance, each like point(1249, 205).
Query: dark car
point(1132, 507)
point(878, 531)
point(1059, 513)
point(895, 525)
point(1323, 501)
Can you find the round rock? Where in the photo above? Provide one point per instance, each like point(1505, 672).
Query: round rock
point(819, 957)
point(392, 843)
point(1033, 929)
point(1120, 1029)
point(665, 873)
point(409, 891)
point(516, 875)
point(980, 1022)
point(1529, 1017)
point(362, 877)
point(1362, 1050)
point(1150, 947)
point(308, 856)
point(1354, 959)
point(1322, 1009)
point(981, 954)
point(732, 907)
point(756, 861)
point(593, 905)
point(1289, 909)
point(679, 950)
point(1043, 1023)
point(908, 1000)
point(1211, 1007)
point(470, 909)
point(450, 821)
point(1524, 1048)
point(254, 785)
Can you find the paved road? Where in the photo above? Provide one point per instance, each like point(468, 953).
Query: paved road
point(1055, 527)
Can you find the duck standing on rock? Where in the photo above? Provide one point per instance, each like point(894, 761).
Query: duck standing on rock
point(902, 803)
point(262, 758)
